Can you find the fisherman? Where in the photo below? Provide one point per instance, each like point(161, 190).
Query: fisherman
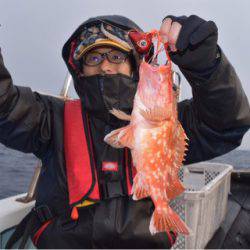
point(83, 195)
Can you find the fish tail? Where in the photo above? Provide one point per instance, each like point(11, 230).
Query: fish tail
point(140, 188)
point(167, 220)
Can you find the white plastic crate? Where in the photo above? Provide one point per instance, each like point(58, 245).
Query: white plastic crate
point(203, 205)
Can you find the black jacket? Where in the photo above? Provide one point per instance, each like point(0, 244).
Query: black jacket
point(215, 120)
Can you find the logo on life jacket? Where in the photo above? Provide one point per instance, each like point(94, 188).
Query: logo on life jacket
point(109, 166)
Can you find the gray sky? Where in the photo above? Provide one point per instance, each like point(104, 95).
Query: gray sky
point(33, 32)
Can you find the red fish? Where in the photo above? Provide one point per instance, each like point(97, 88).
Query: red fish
point(157, 142)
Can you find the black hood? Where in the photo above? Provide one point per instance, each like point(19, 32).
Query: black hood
point(120, 21)
point(95, 92)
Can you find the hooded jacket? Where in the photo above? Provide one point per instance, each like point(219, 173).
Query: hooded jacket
point(215, 120)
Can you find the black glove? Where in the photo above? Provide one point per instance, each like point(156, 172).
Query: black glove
point(196, 45)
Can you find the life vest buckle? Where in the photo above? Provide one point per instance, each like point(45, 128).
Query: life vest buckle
point(112, 189)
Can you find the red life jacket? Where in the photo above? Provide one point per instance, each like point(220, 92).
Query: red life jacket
point(81, 176)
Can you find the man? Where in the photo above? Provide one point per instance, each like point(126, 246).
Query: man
point(84, 190)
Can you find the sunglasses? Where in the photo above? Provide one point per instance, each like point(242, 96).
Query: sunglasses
point(95, 58)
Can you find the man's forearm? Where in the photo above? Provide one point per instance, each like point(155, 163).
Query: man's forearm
point(220, 100)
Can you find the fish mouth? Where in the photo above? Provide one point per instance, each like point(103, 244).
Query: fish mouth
point(155, 67)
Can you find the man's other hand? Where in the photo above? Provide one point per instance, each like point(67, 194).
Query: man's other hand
point(192, 41)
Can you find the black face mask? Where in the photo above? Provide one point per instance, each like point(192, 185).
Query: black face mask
point(99, 94)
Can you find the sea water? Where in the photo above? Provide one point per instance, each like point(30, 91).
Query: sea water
point(17, 168)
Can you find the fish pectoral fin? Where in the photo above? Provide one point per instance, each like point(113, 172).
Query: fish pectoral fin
point(120, 114)
point(120, 138)
point(155, 114)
